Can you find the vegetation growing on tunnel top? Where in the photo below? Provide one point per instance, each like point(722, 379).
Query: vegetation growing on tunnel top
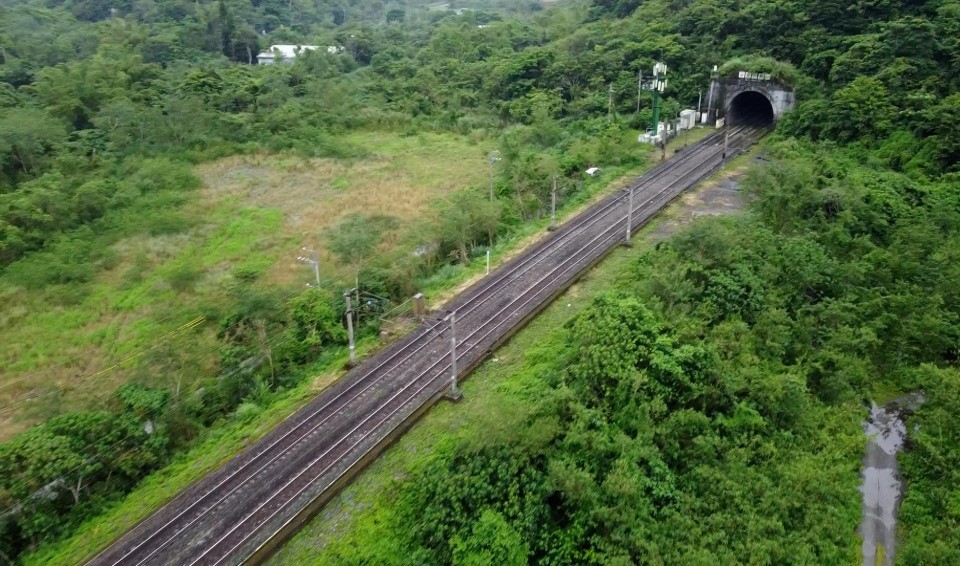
point(779, 70)
point(105, 107)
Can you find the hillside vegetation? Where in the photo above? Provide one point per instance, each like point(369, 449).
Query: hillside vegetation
point(151, 180)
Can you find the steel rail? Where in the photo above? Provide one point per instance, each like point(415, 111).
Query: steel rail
point(473, 298)
point(514, 271)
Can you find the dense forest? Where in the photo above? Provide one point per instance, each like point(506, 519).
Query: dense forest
point(694, 416)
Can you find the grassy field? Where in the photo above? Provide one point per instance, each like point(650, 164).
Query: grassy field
point(150, 311)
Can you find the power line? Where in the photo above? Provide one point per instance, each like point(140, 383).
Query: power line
point(10, 407)
point(167, 316)
point(176, 404)
point(182, 329)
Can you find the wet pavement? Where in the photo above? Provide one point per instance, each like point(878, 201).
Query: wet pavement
point(716, 197)
point(886, 433)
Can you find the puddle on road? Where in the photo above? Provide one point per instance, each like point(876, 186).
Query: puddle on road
point(886, 433)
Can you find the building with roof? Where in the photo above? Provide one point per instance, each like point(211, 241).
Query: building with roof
point(287, 53)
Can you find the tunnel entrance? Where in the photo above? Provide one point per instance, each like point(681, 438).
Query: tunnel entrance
point(750, 108)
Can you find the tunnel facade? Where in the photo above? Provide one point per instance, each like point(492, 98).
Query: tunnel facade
point(746, 97)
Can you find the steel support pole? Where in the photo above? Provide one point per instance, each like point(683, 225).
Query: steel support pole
point(491, 179)
point(626, 239)
point(726, 140)
point(453, 353)
point(639, 87)
point(553, 205)
point(488, 262)
point(349, 313)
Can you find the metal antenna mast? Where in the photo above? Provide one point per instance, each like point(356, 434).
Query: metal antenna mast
point(656, 86)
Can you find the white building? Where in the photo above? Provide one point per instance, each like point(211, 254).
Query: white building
point(666, 130)
point(688, 119)
point(287, 53)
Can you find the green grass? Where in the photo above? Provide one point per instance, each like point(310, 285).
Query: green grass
point(68, 346)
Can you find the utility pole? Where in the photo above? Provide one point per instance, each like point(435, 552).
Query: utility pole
point(610, 103)
point(492, 158)
point(639, 88)
point(726, 140)
point(452, 319)
point(626, 239)
point(699, 102)
point(488, 261)
point(313, 260)
point(553, 206)
point(349, 313)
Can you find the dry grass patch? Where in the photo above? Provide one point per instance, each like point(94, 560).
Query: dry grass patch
point(401, 178)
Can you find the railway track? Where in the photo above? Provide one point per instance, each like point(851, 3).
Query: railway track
point(236, 513)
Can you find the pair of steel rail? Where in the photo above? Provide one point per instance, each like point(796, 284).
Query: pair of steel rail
point(241, 511)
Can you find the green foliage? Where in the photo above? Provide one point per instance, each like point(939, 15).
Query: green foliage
point(315, 325)
point(68, 465)
point(718, 367)
point(463, 221)
point(492, 541)
point(931, 507)
point(26, 135)
point(355, 237)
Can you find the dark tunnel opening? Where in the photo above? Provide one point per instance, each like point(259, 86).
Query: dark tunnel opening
point(750, 108)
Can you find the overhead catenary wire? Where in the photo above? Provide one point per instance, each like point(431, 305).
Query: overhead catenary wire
point(126, 359)
point(180, 331)
point(170, 409)
point(599, 242)
point(277, 335)
point(165, 317)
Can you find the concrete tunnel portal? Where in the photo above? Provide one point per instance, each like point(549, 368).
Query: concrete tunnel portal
point(750, 108)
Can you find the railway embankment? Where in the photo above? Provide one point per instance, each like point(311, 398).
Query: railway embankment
point(262, 495)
